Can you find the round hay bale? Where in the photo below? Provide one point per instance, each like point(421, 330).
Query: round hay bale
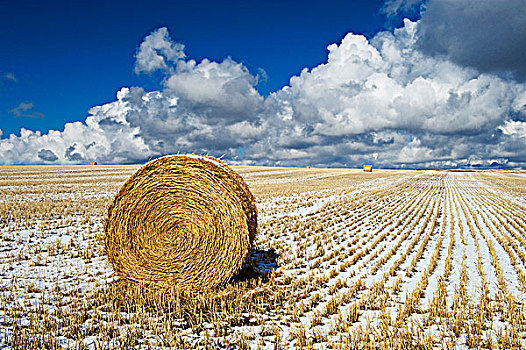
point(182, 221)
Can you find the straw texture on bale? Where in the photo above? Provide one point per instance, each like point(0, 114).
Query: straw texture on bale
point(181, 221)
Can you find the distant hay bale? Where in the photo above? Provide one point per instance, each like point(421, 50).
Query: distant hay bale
point(181, 221)
point(368, 168)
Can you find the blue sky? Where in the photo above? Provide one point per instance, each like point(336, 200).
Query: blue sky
point(64, 57)
point(397, 83)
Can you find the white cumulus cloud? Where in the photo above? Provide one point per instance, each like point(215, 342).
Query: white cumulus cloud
point(384, 96)
point(381, 100)
point(157, 51)
point(394, 7)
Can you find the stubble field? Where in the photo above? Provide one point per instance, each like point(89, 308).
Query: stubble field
point(343, 260)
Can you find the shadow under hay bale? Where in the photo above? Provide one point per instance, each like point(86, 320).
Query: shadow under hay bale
point(185, 222)
point(260, 263)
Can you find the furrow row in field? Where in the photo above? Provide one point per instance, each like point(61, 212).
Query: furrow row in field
point(483, 210)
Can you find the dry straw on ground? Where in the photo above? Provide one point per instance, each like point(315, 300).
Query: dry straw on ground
point(181, 221)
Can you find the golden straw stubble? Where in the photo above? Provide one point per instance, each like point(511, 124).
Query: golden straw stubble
point(181, 221)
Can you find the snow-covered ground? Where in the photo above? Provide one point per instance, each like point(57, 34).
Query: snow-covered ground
point(344, 259)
